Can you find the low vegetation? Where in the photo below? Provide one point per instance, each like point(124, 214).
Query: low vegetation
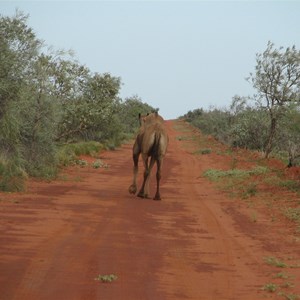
point(234, 173)
point(264, 189)
point(260, 185)
point(285, 282)
point(266, 185)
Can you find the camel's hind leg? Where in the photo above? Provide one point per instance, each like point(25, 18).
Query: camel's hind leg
point(158, 177)
point(144, 192)
point(133, 188)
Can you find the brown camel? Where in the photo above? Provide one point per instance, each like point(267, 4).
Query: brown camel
point(151, 142)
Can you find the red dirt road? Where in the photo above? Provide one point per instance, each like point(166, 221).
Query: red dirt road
point(196, 243)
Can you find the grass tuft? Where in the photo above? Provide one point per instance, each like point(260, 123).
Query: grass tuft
point(273, 261)
point(270, 287)
point(106, 278)
point(214, 174)
point(289, 296)
point(291, 185)
point(292, 213)
point(282, 275)
point(203, 151)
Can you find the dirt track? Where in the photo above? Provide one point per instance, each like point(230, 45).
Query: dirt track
point(196, 243)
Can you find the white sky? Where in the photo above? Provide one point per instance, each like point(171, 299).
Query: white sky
point(175, 55)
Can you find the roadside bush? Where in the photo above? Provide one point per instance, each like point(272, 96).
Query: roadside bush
point(213, 122)
point(37, 131)
point(289, 136)
point(12, 169)
point(248, 127)
point(12, 176)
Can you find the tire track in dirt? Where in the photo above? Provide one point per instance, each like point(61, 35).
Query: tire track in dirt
point(228, 249)
point(203, 266)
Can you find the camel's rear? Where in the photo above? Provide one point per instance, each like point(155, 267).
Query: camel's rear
point(155, 141)
point(152, 142)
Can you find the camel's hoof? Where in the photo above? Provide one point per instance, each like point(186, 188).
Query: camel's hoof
point(132, 189)
point(142, 195)
point(157, 197)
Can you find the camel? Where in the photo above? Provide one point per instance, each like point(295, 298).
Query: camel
point(151, 142)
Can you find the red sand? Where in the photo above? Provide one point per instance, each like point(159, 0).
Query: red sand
point(197, 243)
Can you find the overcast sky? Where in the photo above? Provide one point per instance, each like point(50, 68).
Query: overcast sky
point(175, 55)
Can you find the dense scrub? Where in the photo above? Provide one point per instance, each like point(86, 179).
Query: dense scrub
point(48, 100)
point(246, 126)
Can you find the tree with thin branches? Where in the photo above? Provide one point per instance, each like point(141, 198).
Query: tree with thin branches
point(277, 81)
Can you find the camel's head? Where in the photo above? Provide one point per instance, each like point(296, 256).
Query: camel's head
point(149, 118)
point(142, 118)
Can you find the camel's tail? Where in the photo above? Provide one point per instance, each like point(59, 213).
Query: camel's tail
point(156, 145)
point(159, 146)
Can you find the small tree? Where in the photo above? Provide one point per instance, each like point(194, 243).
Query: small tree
point(18, 49)
point(89, 106)
point(277, 81)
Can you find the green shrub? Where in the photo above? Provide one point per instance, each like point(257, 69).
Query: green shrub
point(248, 126)
point(12, 177)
